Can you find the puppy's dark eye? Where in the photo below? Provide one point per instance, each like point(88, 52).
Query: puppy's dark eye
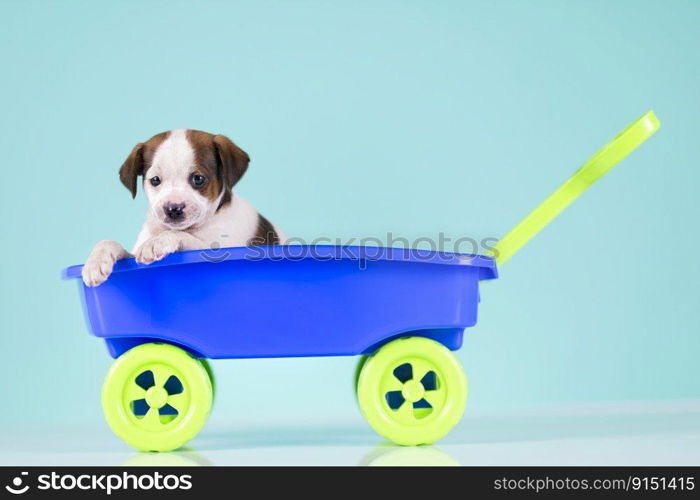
point(154, 181)
point(197, 180)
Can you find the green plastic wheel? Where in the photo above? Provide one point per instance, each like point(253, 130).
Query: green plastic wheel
point(156, 397)
point(412, 391)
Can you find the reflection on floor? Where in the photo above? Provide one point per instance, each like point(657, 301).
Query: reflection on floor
point(604, 434)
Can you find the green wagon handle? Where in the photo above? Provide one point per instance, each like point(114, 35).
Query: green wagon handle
point(598, 165)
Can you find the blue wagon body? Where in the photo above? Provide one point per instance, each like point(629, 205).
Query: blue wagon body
point(280, 301)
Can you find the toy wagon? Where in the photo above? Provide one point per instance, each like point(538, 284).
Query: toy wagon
point(403, 311)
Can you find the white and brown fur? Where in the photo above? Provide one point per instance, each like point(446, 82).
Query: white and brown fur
point(181, 215)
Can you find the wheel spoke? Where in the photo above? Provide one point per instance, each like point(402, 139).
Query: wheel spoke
point(132, 392)
point(405, 413)
point(161, 374)
point(178, 401)
point(151, 421)
point(436, 398)
point(390, 384)
point(420, 368)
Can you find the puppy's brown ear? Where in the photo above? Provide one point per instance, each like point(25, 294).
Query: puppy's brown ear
point(132, 168)
point(233, 161)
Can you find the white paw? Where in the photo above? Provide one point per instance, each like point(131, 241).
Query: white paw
point(98, 266)
point(158, 247)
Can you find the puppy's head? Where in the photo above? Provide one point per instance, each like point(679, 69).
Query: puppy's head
point(187, 175)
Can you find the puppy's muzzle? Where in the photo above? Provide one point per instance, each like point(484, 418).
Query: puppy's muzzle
point(174, 211)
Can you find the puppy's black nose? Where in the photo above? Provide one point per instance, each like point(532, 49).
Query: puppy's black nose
point(174, 211)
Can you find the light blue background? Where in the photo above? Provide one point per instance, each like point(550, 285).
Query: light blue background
point(363, 118)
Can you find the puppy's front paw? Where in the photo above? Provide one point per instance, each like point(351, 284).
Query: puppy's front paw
point(158, 247)
point(98, 267)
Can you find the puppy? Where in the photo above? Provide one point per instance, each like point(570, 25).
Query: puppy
point(188, 177)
